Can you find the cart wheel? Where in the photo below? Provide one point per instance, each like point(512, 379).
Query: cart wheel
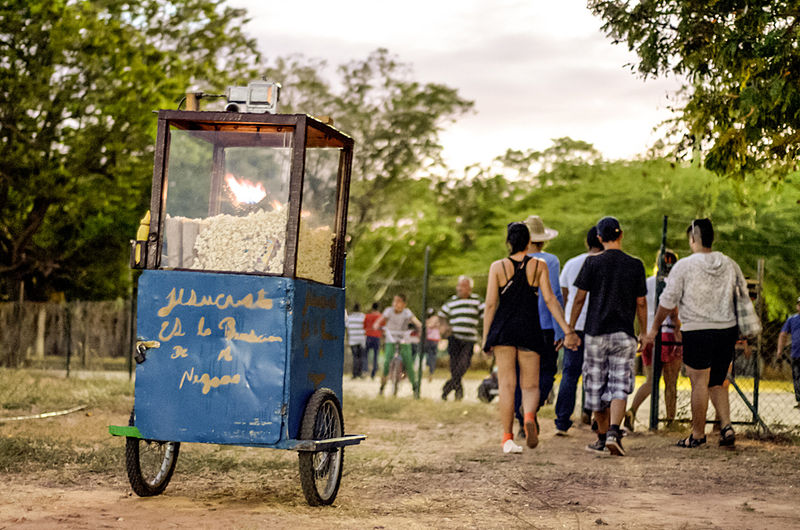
point(321, 472)
point(396, 373)
point(150, 463)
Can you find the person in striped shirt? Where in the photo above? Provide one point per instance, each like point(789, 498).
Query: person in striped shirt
point(464, 314)
point(357, 338)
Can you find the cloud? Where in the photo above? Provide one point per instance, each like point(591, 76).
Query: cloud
point(536, 70)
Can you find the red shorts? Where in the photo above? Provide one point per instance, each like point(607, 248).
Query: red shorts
point(669, 352)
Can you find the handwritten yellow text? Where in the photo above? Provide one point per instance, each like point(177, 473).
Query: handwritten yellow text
point(220, 301)
point(310, 329)
point(202, 330)
point(177, 330)
point(179, 351)
point(325, 335)
point(228, 324)
point(316, 379)
point(322, 302)
point(225, 354)
point(207, 381)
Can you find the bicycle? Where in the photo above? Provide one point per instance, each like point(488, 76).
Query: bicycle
point(397, 370)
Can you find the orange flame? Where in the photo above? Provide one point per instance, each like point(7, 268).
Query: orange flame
point(245, 191)
point(276, 205)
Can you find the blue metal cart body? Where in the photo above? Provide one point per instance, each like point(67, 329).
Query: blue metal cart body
point(239, 356)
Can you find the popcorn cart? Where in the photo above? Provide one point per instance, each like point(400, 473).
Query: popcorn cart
point(240, 306)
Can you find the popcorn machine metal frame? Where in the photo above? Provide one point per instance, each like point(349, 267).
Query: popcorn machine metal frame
point(240, 310)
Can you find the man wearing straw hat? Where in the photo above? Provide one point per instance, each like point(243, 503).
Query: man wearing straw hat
point(553, 335)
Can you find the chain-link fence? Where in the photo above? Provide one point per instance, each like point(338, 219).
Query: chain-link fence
point(760, 381)
point(96, 335)
point(760, 386)
point(74, 335)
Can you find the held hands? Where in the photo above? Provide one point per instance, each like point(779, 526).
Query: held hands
point(648, 338)
point(572, 341)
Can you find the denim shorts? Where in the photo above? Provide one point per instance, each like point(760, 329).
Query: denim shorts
point(608, 369)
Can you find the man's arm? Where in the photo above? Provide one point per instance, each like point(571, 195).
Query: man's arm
point(577, 306)
point(782, 340)
point(641, 314)
point(565, 295)
point(661, 314)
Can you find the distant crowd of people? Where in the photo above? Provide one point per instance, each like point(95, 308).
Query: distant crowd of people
point(532, 309)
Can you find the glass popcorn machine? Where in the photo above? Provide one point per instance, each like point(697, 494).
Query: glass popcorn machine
point(240, 306)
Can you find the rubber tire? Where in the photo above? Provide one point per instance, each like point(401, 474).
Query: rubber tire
point(142, 486)
point(396, 374)
point(322, 402)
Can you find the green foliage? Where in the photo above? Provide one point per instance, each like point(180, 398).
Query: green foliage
point(742, 63)
point(466, 229)
point(394, 120)
point(78, 82)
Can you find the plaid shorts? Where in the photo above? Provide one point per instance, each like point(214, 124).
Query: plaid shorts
point(608, 369)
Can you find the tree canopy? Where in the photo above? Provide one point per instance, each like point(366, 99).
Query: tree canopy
point(394, 120)
point(78, 84)
point(464, 220)
point(741, 63)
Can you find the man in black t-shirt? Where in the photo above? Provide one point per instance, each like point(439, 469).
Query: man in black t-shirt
point(616, 282)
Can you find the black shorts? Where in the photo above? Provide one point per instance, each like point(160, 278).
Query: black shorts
point(710, 348)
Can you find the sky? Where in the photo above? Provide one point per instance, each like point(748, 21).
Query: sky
point(536, 69)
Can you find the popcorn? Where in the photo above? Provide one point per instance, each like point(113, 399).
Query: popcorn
point(315, 253)
point(252, 243)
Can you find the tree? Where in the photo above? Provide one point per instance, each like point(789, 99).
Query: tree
point(741, 62)
point(394, 120)
point(78, 84)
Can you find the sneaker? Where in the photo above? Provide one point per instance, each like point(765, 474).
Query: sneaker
point(561, 432)
point(597, 447)
point(510, 447)
point(614, 443)
point(629, 420)
point(521, 432)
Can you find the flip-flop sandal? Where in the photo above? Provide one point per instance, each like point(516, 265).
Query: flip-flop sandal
point(691, 442)
point(727, 438)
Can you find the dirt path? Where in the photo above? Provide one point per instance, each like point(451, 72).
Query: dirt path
point(426, 464)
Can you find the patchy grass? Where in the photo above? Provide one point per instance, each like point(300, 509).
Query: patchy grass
point(31, 391)
point(425, 464)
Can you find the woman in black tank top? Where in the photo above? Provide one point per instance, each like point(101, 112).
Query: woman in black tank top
point(511, 330)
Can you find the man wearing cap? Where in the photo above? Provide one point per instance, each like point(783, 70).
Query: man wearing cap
point(615, 282)
point(791, 331)
point(553, 335)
